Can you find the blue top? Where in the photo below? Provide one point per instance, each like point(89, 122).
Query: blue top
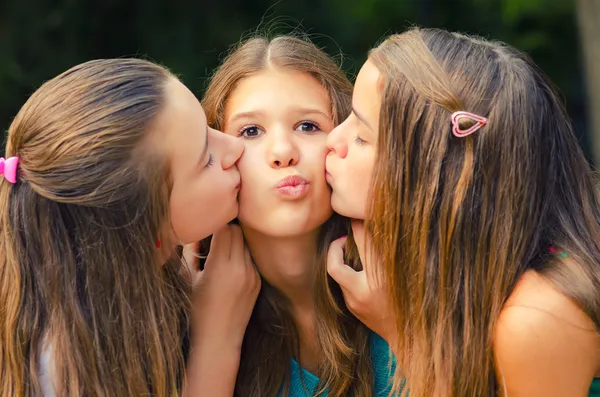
point(383, 373)
point(595, 388)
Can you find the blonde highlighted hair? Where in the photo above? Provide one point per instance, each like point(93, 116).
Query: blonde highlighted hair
point(459, 220)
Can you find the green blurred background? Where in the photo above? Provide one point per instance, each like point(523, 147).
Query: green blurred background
point(40, 39)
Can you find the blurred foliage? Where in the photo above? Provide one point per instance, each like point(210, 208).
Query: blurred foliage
point(40, 39)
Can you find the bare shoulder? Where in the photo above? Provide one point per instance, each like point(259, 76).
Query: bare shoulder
point(544, 344)
point(534, 293)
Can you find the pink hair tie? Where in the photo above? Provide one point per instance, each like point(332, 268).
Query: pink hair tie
point(8, 168)
point(478, 121)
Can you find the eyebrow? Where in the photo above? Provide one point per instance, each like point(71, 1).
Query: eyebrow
point(312, 111)
point(245, 115)
point(205, 150)
point(361, 118)
point(257, 113)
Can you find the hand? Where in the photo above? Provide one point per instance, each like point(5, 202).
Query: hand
point(225, 291)
point(224, 295)
point(365, 297)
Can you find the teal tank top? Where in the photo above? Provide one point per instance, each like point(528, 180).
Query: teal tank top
point(595, 388)
point(383, 373)
point(305, 385)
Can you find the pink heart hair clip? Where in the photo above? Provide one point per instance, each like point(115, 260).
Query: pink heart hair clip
point(478, 121)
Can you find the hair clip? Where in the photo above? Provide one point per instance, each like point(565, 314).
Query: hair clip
point(554, 251)
point(478, 122)
point(8, 168)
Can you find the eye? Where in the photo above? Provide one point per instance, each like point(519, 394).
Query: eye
point(307, 126)
point(250, 131)
point(359, 140)
point(211, 160)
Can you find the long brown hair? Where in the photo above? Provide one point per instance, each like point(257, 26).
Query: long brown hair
point(271, 338)
point(457, 221)
point(79, 271)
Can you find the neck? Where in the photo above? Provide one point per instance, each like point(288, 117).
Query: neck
point(288, 264)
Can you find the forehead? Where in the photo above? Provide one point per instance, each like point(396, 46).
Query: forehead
point(367, 86)
point(274, 89)
point(180, 128)
point(366, 98)
point(179, 101)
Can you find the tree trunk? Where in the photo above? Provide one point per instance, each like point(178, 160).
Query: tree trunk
point(588, 13)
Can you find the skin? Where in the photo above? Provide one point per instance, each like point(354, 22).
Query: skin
point(349, 165)
point(352, 148)
point(283, 117)
point(203, 200)
point(203, 166)
point(544, 344)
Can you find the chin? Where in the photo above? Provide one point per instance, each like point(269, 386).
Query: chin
point(338, 206)
point(296, 224)
point(347, 211)
point(275, 229)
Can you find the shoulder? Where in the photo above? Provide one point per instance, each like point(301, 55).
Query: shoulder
point(534, 292)
point(544, 344)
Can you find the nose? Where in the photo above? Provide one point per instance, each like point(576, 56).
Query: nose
point(231, 148)
point(336, 142)
point(282, 149)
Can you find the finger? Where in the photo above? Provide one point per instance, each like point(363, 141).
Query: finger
point(190, 256)
point(362, 247)
point(343, 274)
point(251, 266)
point(248, 258)
point(336, 250)
point(349, 279)
point(197, 279)
point(237, 243)
point(365, 260)
point(337, 247)
point(220, 245)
